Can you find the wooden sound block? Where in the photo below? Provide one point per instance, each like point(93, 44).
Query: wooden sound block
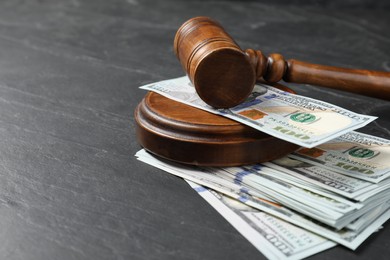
point(185, 134)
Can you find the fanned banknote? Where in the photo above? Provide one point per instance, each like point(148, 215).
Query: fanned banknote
point(333, 210)
point(355, 154)
point(327, 179)
point(263, 202)
point(275, 238)
point(293, 118)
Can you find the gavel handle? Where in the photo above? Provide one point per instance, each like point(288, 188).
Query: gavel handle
point(274, 68)
point(369, 83)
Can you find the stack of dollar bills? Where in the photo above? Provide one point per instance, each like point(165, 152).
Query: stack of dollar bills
point(333, 190)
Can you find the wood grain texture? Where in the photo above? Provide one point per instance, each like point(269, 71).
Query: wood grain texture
point(365, 82)
point(184, 134)
point(224, 75)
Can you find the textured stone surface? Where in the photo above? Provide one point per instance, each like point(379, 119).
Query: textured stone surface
point(70, 187)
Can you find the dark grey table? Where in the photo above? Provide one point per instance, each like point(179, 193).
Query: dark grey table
point(70, 187)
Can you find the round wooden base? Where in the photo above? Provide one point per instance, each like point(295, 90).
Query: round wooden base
point(184, 134)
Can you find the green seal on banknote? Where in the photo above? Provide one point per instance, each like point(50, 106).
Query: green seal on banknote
point(303, 117)
point(361, 153)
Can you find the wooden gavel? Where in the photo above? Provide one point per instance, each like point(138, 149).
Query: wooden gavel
point(224, 75)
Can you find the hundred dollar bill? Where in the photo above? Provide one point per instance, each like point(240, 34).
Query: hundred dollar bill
point(365, 220)
point(332, 212)
point(273, 237)
point(344, 237)
point(355, 154)
point(322, 177)
point(321, 194)
point(258, 177)
point(382, 190)
point(293, 118)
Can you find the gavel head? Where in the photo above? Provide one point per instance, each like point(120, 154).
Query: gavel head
point(220, 71)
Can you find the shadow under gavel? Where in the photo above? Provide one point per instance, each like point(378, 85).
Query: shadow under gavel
point(224, 75)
